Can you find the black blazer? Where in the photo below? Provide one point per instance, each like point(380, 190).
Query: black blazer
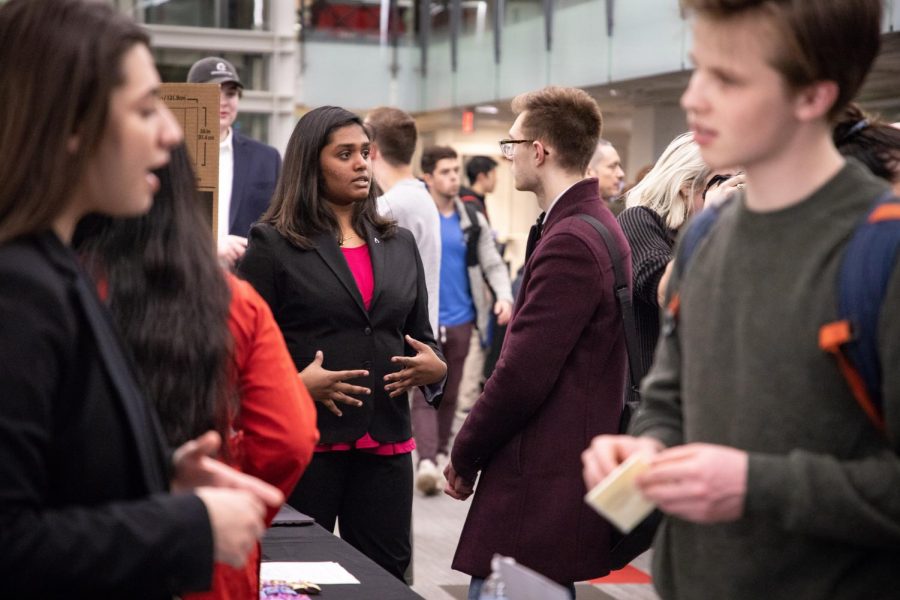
point(317, 304)
point(256, 168)
point(83, 468)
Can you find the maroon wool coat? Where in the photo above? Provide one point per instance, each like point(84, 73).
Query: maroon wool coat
point(559, 382)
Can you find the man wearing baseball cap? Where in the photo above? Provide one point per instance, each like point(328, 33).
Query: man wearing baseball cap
point(248, 169)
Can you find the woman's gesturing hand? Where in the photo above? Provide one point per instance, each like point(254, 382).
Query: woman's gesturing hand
point(328, 387)
point(423, 368)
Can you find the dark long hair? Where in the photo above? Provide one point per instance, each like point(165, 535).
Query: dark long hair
point(298, 211)
point(60, 60)
point(170, 299)
point(869, 140)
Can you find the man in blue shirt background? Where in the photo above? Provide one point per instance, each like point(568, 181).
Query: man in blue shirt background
point(469, 259)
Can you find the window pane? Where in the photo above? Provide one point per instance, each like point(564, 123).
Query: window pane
point(253, 125)
point(223, 14)
point(523, 10)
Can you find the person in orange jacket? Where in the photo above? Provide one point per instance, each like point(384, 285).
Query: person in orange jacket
point(205, 343)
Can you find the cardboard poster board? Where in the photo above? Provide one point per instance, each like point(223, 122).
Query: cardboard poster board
point(196, 106)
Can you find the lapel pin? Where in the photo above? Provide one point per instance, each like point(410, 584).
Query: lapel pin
point(376, 240)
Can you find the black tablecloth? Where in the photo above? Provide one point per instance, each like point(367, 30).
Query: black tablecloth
point(312, 543)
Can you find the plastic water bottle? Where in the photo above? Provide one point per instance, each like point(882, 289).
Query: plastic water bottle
point(493, 588)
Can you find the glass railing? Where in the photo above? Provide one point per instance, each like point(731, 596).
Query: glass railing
point(363, 21)
point(372, 20)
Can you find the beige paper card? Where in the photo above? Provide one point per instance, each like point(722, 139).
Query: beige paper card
point(618, 499)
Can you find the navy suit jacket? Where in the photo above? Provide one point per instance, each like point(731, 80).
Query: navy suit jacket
point(256, 169)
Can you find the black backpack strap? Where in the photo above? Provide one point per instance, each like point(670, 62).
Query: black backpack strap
point(625, 548)
point(472, 234)
point(623, 298)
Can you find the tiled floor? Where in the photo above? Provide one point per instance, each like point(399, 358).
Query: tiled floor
point(437, 521)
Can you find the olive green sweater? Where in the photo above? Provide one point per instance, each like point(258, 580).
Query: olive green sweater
point(743, 369)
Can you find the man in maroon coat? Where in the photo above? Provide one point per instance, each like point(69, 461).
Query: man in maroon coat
point(560, 377)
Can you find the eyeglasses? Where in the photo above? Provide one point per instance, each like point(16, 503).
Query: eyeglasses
point(507, 147)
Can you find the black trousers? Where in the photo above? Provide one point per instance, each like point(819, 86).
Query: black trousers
point(369, 496)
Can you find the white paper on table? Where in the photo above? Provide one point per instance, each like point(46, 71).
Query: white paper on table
point(321, 573)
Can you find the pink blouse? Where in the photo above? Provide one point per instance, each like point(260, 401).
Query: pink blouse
point(360, 264)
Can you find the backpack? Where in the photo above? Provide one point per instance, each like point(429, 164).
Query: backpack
point(866, 267)
point(471, 234)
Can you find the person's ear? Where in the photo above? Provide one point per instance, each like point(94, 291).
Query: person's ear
point(815, 100)
point(538, 151)
point(373, 151)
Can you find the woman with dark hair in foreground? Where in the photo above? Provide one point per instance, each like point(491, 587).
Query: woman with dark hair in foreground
point(348, 291)
point(86, 509)
point(209, 353)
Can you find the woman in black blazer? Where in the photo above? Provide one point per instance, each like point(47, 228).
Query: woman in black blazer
point(85, 508)
point(348, 291)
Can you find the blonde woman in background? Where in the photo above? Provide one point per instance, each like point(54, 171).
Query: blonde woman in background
point(656, 210)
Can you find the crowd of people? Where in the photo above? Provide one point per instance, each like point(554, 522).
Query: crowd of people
point(167, 387)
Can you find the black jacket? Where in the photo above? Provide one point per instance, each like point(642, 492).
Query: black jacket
point(317, 304)
point(84, 510)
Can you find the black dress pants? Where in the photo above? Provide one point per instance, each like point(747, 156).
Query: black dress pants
point(370, 497)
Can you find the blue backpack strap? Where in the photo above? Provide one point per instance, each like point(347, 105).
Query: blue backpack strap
point(865, 271)
point(697, 230)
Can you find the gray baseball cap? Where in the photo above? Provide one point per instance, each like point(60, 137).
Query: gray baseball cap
point(213, 69)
